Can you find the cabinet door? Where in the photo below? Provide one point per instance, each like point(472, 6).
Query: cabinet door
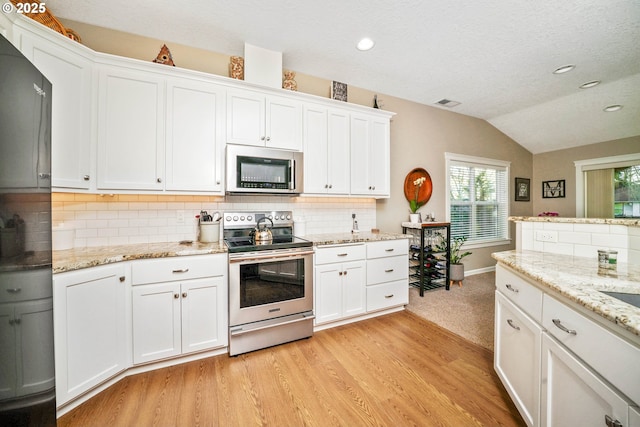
point(379, 157)
point(34, 341)
point(316, 167)
point(130, 130)
point(204, 324)
point(572, 394)
point(283, 123)
point(245, 117)
point(338, 152)
point(517, 357)
point(156, 322)
point(90, 323)
point(7, 352)
point(360, 134)
point(328, 293)
point(70, 73)
point(370, 156)
point(354, 288)
point(194, 143)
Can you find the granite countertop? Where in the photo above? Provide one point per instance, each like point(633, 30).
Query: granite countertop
point(345, 238)
point(78, 258)
point(580, 280)
point(30, 260)
point(629, 222)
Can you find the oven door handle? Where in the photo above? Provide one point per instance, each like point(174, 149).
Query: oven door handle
point(269, 256)
point(240, 331)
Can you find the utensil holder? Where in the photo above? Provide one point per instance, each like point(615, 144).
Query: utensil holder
point(209, 232)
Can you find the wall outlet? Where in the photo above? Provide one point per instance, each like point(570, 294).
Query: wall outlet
point(179, 217)
point(547, 236)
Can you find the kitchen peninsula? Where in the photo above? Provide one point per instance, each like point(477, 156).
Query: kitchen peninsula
point(561, 329)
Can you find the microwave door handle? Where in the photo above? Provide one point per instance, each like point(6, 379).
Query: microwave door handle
point(292, 171)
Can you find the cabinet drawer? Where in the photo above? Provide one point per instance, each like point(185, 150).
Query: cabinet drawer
point(340, 253)
point(387, 248)
point(178, 268)
point(387, 269)
point(612, 357)
point(26, 285)
point(526, 296)
point(387, 295)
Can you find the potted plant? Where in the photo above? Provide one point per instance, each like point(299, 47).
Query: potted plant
point(455, 260)
point(414, 204)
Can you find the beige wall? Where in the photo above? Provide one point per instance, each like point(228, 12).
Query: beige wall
point(420, 135)
point(559, 165)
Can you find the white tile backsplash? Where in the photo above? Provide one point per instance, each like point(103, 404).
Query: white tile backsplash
point(105, 222)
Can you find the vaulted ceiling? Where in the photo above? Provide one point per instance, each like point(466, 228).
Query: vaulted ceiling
point(495, 57)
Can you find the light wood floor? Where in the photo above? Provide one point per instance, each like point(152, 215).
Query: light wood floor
point(395, 370)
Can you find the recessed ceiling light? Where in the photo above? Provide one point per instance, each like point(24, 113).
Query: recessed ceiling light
point(365, 44)
point(592, 83)
point(564, 69)
point(612, 108)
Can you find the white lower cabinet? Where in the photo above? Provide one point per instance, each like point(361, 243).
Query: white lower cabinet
point(340, 286)
point(517, 357)
point(573, 395)
point(91, 328)
point(179, 306)
point(26, 353)
point(387, 274)
point(560, 366)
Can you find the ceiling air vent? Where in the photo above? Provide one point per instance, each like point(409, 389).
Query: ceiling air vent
point(447, 103)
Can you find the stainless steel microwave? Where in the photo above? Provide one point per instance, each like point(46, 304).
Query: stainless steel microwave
point(261, 170)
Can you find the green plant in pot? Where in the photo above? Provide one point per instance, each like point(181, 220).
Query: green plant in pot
point(456, 265)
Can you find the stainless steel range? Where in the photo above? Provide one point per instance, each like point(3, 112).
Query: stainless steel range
point(270, 281)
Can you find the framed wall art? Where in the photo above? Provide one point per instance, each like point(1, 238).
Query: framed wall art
point(553, 189)
point(522, 189)
point(339, 91)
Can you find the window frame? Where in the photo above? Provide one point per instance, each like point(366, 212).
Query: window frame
point(487, 163)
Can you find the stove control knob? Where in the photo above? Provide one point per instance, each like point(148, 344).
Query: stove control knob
point(288, 217)
point(228, 218)
point(270, 216)
point(241, 218)
point(249, 218)
point(276, 217)
point(235, 218)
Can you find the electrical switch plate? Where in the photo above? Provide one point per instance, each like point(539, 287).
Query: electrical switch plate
point(179, 217)
point(547, 236)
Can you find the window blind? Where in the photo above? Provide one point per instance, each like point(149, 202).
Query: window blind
point(478, 201)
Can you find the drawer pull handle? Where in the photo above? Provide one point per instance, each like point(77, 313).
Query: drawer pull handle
point(181, 270)
point(14, 290)
point(389, 270)
point(343, 254)
point(510, 322)
point(610, 422)
point(511, 288)
point(389, 296)
point(389, 250)
point(563, 328)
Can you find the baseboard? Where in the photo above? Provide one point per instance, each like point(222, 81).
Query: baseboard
point(480, 270)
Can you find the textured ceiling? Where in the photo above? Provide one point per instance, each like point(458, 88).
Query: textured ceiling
point(495, 57)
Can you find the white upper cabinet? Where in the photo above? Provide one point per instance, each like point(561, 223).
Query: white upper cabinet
point(256, 118)
point(370, 156)
point(194, 136)
point(70, 72)
point(326, 150)
point(130, 129)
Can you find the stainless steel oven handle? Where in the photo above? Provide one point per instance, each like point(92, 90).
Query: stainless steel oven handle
point(268, 256)
point(246, 331)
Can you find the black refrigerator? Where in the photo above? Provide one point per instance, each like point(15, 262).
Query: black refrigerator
point(27, 379)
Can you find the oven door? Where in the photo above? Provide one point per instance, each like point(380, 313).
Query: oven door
point(265, 285)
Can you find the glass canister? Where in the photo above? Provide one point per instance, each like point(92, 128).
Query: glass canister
point(607, 259)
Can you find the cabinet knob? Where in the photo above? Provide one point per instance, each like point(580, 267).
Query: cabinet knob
point(330, 186)
point(263, 138)
point(86, 177)
point(184, 295)
point(340, 273)
point(176, 296)
point(268, 138)
point(122, 278)
point(14, 290)
point(44, 175)
point(158, 180)
point(345, 273)
point(326, 186)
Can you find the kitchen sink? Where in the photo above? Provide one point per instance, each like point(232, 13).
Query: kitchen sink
point(633, 299)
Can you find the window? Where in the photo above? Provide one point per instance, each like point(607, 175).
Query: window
point(478, 202)
point(626, 185)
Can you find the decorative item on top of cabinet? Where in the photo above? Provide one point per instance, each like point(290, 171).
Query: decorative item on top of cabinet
point(164, 56)
point(289, 81)
point(429, 254)
point(339, 91)
point(236, 67)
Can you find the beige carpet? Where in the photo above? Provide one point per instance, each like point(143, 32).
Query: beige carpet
point(467, 311)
